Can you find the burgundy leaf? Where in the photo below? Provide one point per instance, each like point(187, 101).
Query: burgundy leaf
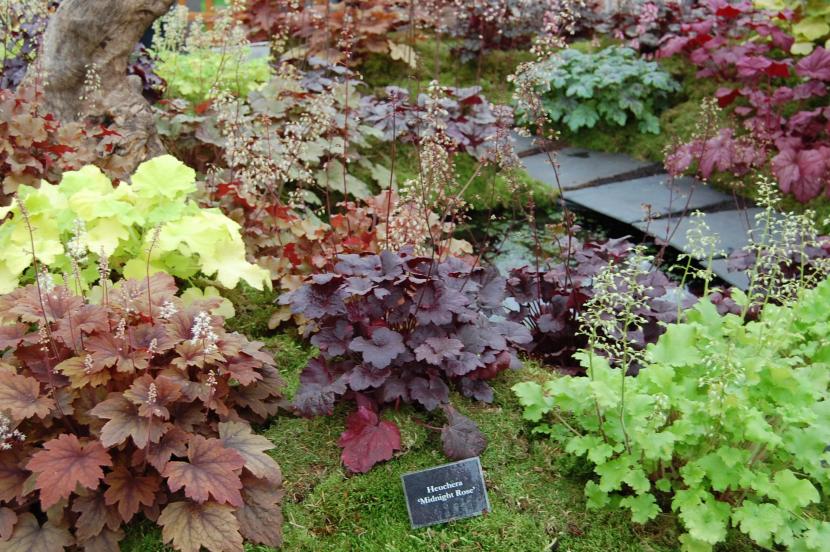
point(368, 440)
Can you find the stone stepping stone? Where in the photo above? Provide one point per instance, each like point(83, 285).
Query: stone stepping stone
point(626, 201)
point(738, 279)
point(523, 144)
point(579, 168)
point(730, 227)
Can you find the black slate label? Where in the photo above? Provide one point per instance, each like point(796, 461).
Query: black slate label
point(444, 493)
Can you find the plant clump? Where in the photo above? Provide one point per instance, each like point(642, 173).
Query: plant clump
point(128, 407)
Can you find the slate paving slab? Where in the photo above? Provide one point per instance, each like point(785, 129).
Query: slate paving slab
point(523, 144)
point(626, 201)
point(738, 279)
point(730, 227)
point(580, 168)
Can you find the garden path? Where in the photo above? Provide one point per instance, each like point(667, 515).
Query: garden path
point(644, 197)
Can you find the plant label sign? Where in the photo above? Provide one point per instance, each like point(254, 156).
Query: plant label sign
point(444, 493)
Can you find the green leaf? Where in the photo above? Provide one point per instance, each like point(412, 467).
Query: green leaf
point(532, 398)
point(643, 507)
point(707, 521)
point(759, 521)
point(791, 492)
point(583, 116)
point(597, 498)
point(164, 176)
point(676, 347)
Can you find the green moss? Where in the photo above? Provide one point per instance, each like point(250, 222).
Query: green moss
point(490, 73)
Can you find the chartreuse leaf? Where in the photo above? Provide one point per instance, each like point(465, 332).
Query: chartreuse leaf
point(532, 398)
point(759, 521)
point(792, 492)
point(706, 521)
point(597, 498)
point(120, 221)
point(643, 507)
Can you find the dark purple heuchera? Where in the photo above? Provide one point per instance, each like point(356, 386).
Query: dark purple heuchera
point(22, 38)
point(551, 302)
point(470, 121)
point(780, 100)
point(142, 65)
point(397, 327)
point(643, 24)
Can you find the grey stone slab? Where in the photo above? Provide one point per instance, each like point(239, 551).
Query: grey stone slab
point(731, 228)
point(260, 50)
point(656, 196)
point(579, 168)
point(738, 279)
point(523, 144)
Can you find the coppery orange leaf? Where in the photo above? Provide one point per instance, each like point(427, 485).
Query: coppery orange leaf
point(190, 526)
point(129, 491)
point(65, 463)
point(21, 396)
point(239, 437)
point(212, 470)
point(29, 536)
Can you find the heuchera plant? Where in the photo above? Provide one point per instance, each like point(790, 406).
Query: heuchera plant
point(725, 425)
point(134, 407)
point(613, 85)
point(780, 100)
point(93, 217)
point(551, 302)
point(397, 328)
point(35, 146)
point(466, 116)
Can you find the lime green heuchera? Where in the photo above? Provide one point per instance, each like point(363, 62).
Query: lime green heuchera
point(812, 26)
point(85, 216)
point(727, 423)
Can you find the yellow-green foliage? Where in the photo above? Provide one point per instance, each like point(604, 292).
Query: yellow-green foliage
point(196, 75)
point(813, 27)
point(85, 216)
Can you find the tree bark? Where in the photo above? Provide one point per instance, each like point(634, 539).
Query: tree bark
point(90, 42)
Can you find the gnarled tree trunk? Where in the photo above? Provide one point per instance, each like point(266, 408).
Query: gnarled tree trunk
point(89, 42)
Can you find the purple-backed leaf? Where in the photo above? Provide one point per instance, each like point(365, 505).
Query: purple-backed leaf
point(435, 350)
point(429, 392)
point(319, 389)
point(381, 349)
point(334, 341)
point(515, 332)
point(393, 389)
point(464, 364)
point(364, 377)
point(435, 303)
point(476, 389)
point(368, 440)
point(319, 298)
point(460, 436)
